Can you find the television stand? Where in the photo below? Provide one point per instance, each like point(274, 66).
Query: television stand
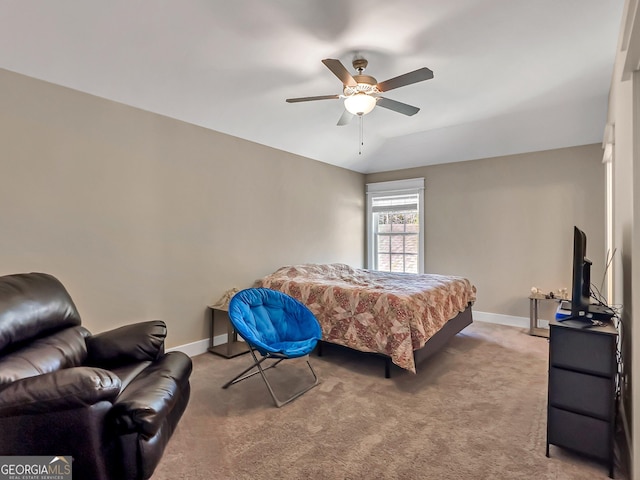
point(581, 407)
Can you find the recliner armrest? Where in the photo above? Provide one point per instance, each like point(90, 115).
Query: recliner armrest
point(147, 400)
point(137, 342)
point(59, 390)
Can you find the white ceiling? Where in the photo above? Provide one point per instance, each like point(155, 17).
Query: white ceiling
point(511, 76)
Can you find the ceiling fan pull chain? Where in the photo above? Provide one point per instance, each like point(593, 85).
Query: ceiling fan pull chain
point(361, 142)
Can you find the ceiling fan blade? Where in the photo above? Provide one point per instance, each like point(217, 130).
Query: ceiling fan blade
point(340, 71)
point(308, 99)
point(407, 79)
point(397, 106)
point(345, 118)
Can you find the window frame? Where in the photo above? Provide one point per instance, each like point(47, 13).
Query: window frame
point(411, 186)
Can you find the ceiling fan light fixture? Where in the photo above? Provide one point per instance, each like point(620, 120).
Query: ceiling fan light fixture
point(359, 104)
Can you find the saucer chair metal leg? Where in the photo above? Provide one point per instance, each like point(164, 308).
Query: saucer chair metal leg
point(279, 403)
point(241, 376)
point(259, 369)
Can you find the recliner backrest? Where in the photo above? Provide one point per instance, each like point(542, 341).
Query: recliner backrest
point(33, 305)
point(40, 329)
point(63, 349)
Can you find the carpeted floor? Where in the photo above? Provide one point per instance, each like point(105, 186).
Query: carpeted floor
point(476, 410)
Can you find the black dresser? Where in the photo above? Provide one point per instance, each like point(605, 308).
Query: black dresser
point(581, 408)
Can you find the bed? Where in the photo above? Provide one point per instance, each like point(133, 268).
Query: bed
point(404, 317)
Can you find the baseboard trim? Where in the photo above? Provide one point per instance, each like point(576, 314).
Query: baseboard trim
point(625, 444)
point(199, 346)
point(500, 319)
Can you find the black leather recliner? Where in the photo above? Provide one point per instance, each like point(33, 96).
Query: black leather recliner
point(111, 401)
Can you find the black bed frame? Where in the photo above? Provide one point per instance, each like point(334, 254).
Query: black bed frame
point(433, 345)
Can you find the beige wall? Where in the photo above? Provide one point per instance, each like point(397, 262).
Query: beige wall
point(623, 225)
point(506, 223)
point(146, 217)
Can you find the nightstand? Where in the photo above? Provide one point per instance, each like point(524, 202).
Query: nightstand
point(534, 321)
point(233, 347)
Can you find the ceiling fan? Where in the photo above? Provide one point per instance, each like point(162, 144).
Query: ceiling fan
point(361, 93)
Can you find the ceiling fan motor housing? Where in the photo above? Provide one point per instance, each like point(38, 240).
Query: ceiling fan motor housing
point(365, 84)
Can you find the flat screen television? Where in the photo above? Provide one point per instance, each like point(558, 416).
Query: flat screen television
point(581, 282)
point(581, 306)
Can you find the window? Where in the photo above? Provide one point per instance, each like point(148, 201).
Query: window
point(395, 226)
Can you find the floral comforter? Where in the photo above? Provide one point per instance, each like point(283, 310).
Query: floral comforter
point(388, 313)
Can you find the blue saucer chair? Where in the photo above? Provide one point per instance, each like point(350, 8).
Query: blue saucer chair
point(278, 327)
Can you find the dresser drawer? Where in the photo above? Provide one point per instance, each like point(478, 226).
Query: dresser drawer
point(582, 350)
point(580, 433)
point(581, 393)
